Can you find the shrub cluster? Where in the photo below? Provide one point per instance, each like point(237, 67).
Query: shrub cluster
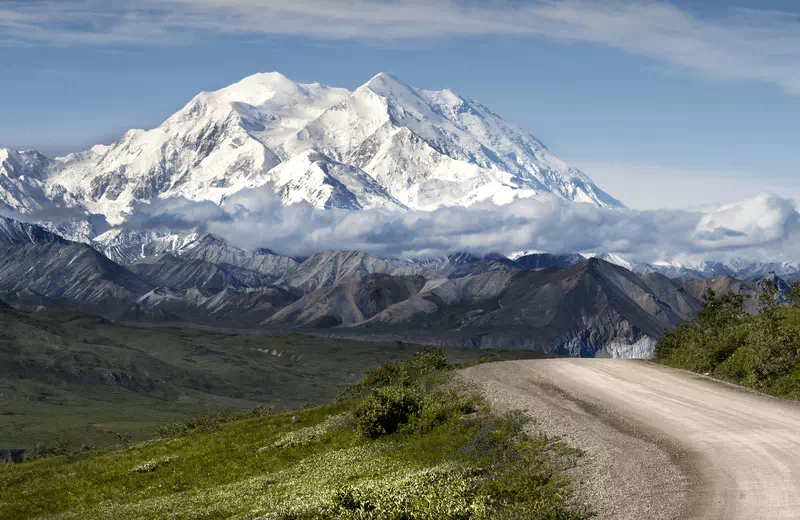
point(394, 396)
point(41, 451)
point(59, 449)
point(762, 351)
point(386, 409)
point(401, 373)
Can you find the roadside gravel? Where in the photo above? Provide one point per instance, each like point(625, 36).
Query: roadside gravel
point(628, 472)
point(660, 443)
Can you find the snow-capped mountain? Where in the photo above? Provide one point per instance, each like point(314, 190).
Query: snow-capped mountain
point(435, 148)
point(384, 145)
point(22, 176)
point(739, 268)
point(611, 258)
point(126, 246)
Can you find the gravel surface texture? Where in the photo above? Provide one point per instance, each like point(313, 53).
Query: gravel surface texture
point(659, 443)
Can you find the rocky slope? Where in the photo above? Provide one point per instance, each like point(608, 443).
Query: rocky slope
point(552, 303)
point(349, 301)
point(40, 269)
point(590, 309)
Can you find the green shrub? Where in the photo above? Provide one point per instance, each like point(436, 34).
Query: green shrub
point(439, 408)
point(737, 366)
point(401, 373)
point(429, 360)
point(386, 409)
point(761, 352)
point(41, 451)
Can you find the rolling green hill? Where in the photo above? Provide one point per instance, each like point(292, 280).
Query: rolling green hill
point(406, 442)
point(74, 377)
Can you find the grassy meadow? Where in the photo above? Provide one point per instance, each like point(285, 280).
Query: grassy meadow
point(406, 442)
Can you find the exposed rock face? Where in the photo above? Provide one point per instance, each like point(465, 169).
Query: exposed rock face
point(538, 261)
point(696, 287)
point(181, 273)
point(39, 269)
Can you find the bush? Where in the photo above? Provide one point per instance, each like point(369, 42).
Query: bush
point(401, 373)
point(386, 409)
point(41, 451)
point(761, 352)
point(439, 408)
point(429, 360)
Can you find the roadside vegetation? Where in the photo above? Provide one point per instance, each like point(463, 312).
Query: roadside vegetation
point(759, 351)
point(406, 442)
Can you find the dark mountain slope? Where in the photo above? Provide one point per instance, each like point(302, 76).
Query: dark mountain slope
point(696, 287)
point(348, 301)
point(39, 268)
point(594, 308)
point(181, 273)
point(538, 261)
point(67, 271)
point(230, 307)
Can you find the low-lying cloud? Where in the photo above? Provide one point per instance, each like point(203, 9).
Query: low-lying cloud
point(765, 227)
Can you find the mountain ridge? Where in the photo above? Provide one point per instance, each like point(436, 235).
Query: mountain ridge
point(564, 304)
point(384, 145)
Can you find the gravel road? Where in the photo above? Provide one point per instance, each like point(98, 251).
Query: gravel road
point(660, 443)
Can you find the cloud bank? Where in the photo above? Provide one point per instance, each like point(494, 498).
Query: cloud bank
point(732, 44)
point(765, 227)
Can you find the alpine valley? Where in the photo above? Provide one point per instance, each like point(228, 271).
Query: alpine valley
point(384, 146)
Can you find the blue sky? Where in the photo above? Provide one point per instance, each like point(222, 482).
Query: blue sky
point(664, 105)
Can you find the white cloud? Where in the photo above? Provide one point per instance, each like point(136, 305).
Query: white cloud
point(763, 227)
point(739, 44)
point(761, 220)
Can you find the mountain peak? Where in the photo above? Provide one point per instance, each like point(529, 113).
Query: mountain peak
point(386, 84)
point(385, 145)
point(255, 90)
point(274, 80)
point(384, 77)
point(16, 232)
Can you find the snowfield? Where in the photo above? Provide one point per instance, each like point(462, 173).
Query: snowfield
point(384, 145)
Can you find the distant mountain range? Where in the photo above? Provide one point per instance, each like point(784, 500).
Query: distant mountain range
point(740, 268)
point(565, 304)
point(384, 145)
